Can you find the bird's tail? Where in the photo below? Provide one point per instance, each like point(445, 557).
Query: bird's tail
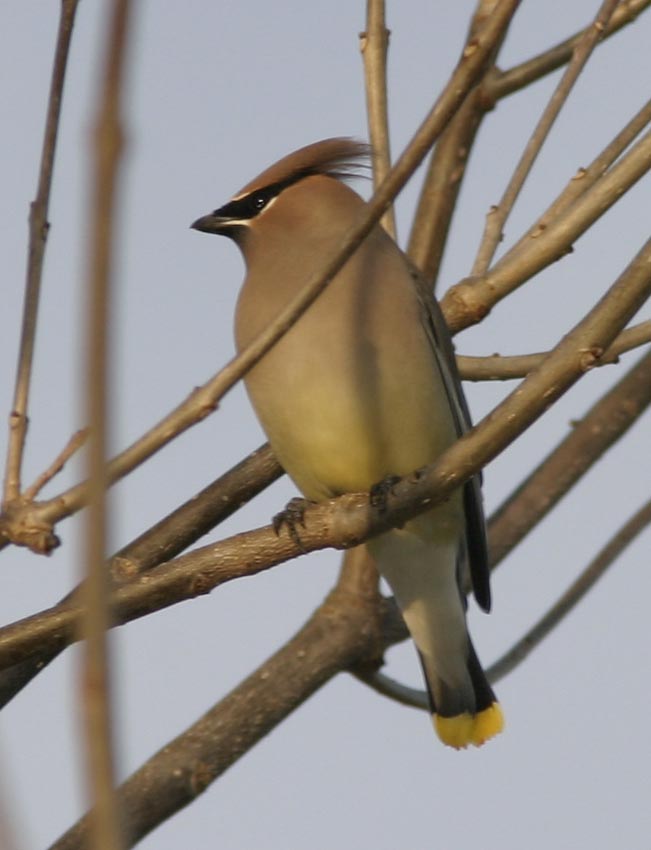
point(423, 576)
point(463, 716)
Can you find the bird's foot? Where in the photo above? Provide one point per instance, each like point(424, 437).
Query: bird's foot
point(380, 492)
point(292, 516)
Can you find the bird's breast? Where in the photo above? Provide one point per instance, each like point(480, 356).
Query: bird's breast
point(352, 392)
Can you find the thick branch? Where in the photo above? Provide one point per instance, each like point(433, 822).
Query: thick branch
point(345, 632)
point(342, 632)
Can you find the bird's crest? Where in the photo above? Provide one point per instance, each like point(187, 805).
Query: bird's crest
point(341, 158)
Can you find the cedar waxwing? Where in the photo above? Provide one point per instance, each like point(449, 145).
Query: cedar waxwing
point(362, 387)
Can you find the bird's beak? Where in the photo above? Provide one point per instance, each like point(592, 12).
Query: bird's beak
point(212, 223)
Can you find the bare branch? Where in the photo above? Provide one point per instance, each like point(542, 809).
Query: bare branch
point(347, 521)
point(498, 215)
point(606, 421)
point(73, 445)
point(374, 44)
point(38, 230)
point(447, 166)
point(502, 368)
point(585, 178)
point(396, 691)
point(533, 69)
point(343, 631)
point(440, 190)
point(104, 823)
point(163, 541)
point(471, 299)
point(573, 595)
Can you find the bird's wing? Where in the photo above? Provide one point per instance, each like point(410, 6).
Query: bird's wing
point(476, 543)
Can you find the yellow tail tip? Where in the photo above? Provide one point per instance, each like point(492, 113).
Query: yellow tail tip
point(466, 728)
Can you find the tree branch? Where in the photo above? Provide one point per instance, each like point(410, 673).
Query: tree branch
point(447, 166)
point(471, 299)
point(104, 822)
point(498, 215)
point(573, 595)
point(344, 630)
point(38, 230)
point(606, 421)
point(374, 44)
point(507, 367)
point(163, 541)
point(585, 178)
point(522, 75)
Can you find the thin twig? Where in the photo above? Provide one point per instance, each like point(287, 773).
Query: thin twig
point(468, 301)
point(73, 445)
point(516, 78)
point(346, 521)
point(585, 178)
point(573, 595)
point(389, 687)
point(605, 423)
point(374, 44)
point(105, 828)
point(38, 230)
point(205, 398)
point(447, 166)
point(507, 367)
point(498, 215)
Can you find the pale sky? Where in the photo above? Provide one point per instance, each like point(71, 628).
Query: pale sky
point(217, 91)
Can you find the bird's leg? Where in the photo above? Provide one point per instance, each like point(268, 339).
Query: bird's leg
point(292, 516)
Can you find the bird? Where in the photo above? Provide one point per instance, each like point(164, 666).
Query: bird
point(361, 389)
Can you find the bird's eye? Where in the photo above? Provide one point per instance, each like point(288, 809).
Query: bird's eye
point(259, 201)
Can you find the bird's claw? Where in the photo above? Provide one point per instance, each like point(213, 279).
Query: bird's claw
point(292, 516)
point(380, 492)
